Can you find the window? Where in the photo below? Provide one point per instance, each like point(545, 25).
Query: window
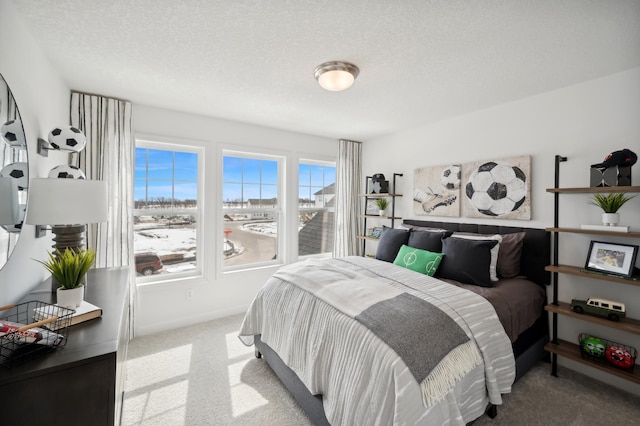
point(251, 207)
point(316, 207)
point(166, 209)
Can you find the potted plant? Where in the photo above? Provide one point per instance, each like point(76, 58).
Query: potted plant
point(610, 204)
point(382, 204)
point(69, 269)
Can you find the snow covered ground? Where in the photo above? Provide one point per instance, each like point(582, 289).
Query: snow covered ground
point(175, 242)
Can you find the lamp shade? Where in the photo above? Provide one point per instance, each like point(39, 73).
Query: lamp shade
point(9, 203)
point(66, 202)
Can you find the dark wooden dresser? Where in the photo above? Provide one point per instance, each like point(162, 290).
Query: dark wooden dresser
point(83, 382)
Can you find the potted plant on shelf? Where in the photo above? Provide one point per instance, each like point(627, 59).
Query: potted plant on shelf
point(382, 204)
point(69, 269)
point(610, 204)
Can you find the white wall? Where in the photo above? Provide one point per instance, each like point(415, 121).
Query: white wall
point(43, 100)
point(164, 305)
point(582, 122)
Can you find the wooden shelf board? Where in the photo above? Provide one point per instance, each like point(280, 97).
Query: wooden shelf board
point(366, 237)
point(574, 270)
point(572, 351)
point(595, 189)
point(629, 325)
point(379, 195)
point(377, 216)
point(595, 232)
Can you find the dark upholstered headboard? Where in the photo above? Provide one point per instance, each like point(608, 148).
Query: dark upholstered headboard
point(536, 250)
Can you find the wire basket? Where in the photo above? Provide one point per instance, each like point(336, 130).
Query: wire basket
point(614, 354)
point(31, 329)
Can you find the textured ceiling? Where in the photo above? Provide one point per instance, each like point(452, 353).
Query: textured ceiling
point(420, 61)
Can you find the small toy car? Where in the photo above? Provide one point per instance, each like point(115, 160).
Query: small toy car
point(599, 307)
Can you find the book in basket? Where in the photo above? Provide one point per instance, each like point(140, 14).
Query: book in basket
point(84, 312)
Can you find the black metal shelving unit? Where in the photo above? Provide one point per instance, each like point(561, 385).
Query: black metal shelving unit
point(558, 347)
point(368, 197)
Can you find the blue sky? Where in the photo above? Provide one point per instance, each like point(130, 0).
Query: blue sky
point(165, 174)
point(312, 178)
point(161, 173)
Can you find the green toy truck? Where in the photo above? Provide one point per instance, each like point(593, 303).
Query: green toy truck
point(599, 307)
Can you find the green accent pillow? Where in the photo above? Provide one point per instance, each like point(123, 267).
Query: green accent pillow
point(423, 261)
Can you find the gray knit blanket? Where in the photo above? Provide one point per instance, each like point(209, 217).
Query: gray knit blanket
point(434, 348)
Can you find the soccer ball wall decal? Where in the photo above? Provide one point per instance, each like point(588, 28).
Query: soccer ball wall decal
point(450, 178)
point(18, 171)
point(13, 134)
point(496, 188)
point(65, 171)
point(67, 138)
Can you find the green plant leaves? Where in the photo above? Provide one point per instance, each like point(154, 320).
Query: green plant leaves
point(69, 267)
point(610, 203)
point(382, 203)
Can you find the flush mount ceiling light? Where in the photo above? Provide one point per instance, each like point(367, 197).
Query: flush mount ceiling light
point(335, 75)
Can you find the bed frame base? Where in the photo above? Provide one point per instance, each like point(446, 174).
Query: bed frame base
point(311, 404)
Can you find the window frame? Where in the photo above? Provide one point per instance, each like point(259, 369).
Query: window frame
point(280, 209)
point(189, 146)
point(313, 161)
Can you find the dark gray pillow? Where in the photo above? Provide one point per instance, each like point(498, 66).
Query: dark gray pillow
point(427, 240)
point(466, 261)
point(391, 240)
point(509, 255)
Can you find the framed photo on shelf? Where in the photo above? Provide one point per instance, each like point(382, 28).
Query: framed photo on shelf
point(612, 258)
point(376, 232)
point(372, 208)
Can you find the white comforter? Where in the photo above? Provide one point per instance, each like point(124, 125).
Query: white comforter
point(362, 380)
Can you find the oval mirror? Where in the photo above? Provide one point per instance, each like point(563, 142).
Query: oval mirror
point(14, 172)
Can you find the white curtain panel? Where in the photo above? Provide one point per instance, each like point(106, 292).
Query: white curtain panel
point(109, 156)
point(348, 177)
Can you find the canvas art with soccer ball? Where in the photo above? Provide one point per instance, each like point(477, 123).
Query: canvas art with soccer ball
point(497, 189)
point(437, 190)
point(491, 189)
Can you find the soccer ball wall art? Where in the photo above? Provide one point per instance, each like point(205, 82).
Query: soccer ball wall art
point(67, 138)
point(18, 171)
point(66, 171)
point(437, 190)
point(497, 189)
point(13, 134)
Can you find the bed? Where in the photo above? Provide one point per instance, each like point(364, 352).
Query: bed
point(349, 362)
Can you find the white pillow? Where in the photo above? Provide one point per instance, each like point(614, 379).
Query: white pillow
point(493, 273)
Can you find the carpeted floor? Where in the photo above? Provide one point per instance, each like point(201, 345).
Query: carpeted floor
point(203, 375)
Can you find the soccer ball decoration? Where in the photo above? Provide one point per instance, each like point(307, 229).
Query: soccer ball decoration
point(593, 346)
point(22, 208)
point(19, 171)
point(450, 178)
point(13, 133)
point(65, 171)
point(619, 356)
point(496, 188)
point(67, 138)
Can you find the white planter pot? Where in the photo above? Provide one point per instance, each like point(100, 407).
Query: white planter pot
point(71, 298)
point(610, 219)
point(381, 212)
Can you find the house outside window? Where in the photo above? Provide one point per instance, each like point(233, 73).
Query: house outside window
point(167, 210)
point(316, 207)
point(252, 210)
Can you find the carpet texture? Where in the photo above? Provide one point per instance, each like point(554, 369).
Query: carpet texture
point(203, 375)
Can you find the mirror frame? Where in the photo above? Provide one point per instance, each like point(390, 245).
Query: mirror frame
point(9, 110)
